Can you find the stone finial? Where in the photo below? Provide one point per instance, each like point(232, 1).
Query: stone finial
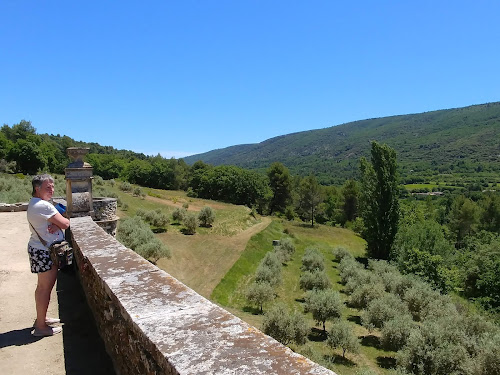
point(76, 155)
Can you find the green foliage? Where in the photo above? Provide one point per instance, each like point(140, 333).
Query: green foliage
point(153, 250)
point(310, 197)
point(324, 305)
point(480, 267)
point(421, 249)
point(259, 293)
point(179, 215)
point(379, 200)
point(134, 233)
point(364, 294)
point(395, 332)
point(137, 191)
point(285, 250)
point(284, 326)
point(350, 192)
point(464, 218)
point(157, 218)
point(280, 183)
point(340, 253)
point(233, 185)
point(313, 260)
point(314, 280)
point(341, 335)
point(381, 310)
point(190, 224)
point(206, 216)
point(126, 186)
point(435, 348)
point(269, 270)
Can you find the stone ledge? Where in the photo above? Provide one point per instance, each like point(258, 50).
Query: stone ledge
point(152, 323)
point(14, 207)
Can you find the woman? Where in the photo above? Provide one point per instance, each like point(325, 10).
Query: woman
point(45, 221)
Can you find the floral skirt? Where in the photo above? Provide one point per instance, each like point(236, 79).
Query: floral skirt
point(39, 259)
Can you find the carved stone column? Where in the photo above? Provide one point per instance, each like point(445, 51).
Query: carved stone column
point(79, 177)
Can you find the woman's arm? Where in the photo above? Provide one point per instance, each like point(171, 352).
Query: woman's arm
point(60, 221)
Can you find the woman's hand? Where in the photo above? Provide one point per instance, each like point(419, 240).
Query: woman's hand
point(53, 228)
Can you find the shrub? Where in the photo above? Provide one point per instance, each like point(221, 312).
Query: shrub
point(98, 180)
point(264, 274)
point(111, 182)
point(341, 335)
point(133, 232)
point(185, 205)
point(190, 224)
point(259, 293)
point(290, 213)
point(314, 280)
point(191, 193)
point(312, 260)
point(153, 250)
point(125, 186)
point(417, 298)
point(433, 349)
point(137, 191)
point(384, 309)
point(366, 293)
point(348, 267)
point(395, 332)
point(206, 216)
point(340, 253)
point(286, 245)
point(324, 305)
point(284, 326)
point(179, 215)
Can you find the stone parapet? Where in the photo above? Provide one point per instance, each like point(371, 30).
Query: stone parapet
point(13, 207)
point(153, 324)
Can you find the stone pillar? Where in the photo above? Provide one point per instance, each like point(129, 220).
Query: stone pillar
point(79, 184)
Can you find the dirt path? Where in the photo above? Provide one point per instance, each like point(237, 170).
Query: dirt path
point(201, 261)
point(78, 350)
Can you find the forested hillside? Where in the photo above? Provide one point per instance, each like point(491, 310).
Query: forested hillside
point(454, 140)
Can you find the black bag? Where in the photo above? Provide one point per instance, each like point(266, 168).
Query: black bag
point(61, 254)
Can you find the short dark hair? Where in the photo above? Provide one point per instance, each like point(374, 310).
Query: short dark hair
point(38, 180)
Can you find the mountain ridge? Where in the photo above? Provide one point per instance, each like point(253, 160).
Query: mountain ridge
point(437, 140)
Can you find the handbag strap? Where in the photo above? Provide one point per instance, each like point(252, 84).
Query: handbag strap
point(44, 243)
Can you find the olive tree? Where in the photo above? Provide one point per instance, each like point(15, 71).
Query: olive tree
point(324, 305)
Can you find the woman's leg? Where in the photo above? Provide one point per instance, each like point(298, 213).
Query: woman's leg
point(46, 281)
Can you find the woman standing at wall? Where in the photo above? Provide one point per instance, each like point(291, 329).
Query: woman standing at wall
point(45, 222)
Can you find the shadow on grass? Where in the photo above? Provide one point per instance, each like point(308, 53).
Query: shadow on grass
point(252, 310)
point(317, 335)
point(339, 360)
point(300, 300)
point(386, 362)
point(187, 232)
point(370, 340)
point(355, 319)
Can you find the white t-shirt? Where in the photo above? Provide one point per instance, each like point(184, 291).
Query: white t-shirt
point(39, 211)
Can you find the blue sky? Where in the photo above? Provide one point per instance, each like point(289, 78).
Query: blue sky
point(184, 77)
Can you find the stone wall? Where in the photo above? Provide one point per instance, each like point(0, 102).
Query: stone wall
point(14, 207)
point(153, 324)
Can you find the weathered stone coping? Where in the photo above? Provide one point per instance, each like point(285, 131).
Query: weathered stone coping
point(152, 323)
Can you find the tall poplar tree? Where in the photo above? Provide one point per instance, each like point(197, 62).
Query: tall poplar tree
point(379, 200)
